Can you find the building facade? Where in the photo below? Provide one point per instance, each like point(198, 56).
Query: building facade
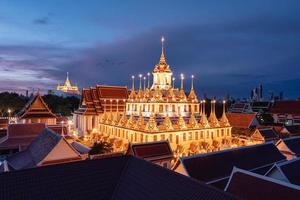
point(68, 88)
point(157, 113)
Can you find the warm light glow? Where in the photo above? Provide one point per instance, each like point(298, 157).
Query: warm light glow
point(173, 79)
point(148, 74)
point(192, 76)
point(140, 75)
point(9, 110)
point(70, 122)
point(144, 77)
point(132, 77)
point(224, 101)
point(162, 39)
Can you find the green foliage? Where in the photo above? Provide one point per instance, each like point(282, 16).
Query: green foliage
point(64, 106)
point(12, 101)
point(100, 148)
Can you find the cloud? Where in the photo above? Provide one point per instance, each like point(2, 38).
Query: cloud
point(230, 57)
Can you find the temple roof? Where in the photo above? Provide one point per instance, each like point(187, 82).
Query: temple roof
point(151, 151)
point(286, 107)
point(162, 66)
point(118, 178)
point(206, 167)
point(36, 108)
point(247, 185)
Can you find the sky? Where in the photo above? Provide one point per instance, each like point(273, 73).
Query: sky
point(229, 46)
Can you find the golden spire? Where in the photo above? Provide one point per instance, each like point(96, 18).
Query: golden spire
point(181, 123)
point(123, 120)
point(182, 96)
point(212, 117)
point(151, 125)
point(193, 121)
point(171, 95)
point(131, 121)
point(162, 59)
point(148, 75)
point(140, 124)
point(203, 121)
point(140, 91)
point(173, 80)
point(167, 123)
point(67, 82)
point(224, 120)
point(157, 94)
point(132, 94)
point(192, 96)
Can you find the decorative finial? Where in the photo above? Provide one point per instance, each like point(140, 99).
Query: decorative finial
point(132, 77)
point(140, 76)
point(181, 79)
point(173, 79)
point(148, 74)
point(144, 82)
point(162, 56)
point(192, 83)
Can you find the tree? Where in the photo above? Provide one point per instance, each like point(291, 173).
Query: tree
point(101, 148)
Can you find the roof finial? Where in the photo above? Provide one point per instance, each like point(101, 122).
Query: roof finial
point(162, 56)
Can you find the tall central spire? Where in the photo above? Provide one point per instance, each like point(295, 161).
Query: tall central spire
point(162, 59)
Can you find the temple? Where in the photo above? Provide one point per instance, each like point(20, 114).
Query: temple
point(153, 113)
point(67, 87)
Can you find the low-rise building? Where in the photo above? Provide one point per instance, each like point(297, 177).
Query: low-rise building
point(215, 168)
point(248, 185)
point(119, 178)
point(286, 112)
point(290, 147)
point(156, 152)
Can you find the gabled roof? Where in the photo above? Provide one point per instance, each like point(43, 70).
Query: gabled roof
point(151, 151)
point(215, 166)
point(248, 185)
point(123, 177)
point(293, 144)
point(80, 147)
point(39, 148)
point(286, 107)
point(20, 135)
point(36, 107)
point(92, 100)
point(261, 105)
point(241, 120)
point(290, 170)
point(268, 134)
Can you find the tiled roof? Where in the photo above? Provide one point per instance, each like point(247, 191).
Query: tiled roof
point(80, 147)
point(249, 186)
point(123, 177)
point(214, 166)
point(268, 134)
point(286, 107)
point(20, 135)
point(151, 151)
point(293, 144)
point(36, 107)
point(241, 120)
point(94, 99)
point(39, 148)
point(290, 170)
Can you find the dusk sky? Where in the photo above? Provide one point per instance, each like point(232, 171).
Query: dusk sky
point(230, 46)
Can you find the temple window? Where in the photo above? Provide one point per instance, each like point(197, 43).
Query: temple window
point(170, 138)
point(196, 135)
point(190, 135)
point(184, 136)
point(207, 134)
point(162, 137)
point(161, 108)
point(177, 139)
point(155, 138)
point(173, 108)
point(218, 133)
point(222, 132)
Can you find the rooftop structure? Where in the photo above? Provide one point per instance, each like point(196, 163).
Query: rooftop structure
point(157, 152)
point(122, 177)
point(286, 171)
point(286, 112)
point(67, 87)
point(265, 135)
point(247, 185)
point(46, 149)
point(36, 111)
point(242, 120)
point(290, 147)
point(154, 113)
point(214, 168)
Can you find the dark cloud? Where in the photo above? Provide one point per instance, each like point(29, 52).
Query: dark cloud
point(42, 21)
point(231, 57)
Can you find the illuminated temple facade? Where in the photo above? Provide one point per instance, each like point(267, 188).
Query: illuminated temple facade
point(152, 112)
point(67, 87)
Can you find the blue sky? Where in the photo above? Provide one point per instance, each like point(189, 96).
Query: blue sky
point(230, 46)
